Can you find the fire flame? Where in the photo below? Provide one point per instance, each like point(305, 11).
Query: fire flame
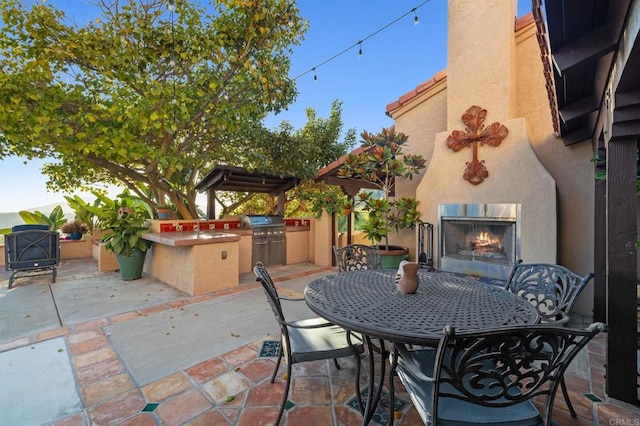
point(483, 239)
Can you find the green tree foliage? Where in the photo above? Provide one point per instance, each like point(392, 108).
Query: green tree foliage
point(142, 95)
point(300, 153)
point(381, 164)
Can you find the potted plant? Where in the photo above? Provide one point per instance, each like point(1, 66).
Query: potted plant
point(123, 223)
point(75, 229)
point(381, 164)
point(164, 211)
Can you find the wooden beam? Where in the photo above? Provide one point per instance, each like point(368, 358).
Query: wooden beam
point(583, 50)
point(621, 369)
point(579, 109)
point(628, 98)
point(629, 113)
point(600, 252)
point(625, 130)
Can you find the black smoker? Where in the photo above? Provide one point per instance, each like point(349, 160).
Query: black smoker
point(269, 239)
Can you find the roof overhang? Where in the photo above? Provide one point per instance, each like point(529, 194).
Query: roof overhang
point(230, 178)
point(329, 174)
point(580, 41)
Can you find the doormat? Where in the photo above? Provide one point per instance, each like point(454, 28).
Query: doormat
point(381, 416)
point(269, 348)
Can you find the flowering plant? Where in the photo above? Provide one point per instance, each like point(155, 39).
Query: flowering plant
point(74, 227)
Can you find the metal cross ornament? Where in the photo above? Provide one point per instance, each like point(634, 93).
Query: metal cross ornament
point(476, 133)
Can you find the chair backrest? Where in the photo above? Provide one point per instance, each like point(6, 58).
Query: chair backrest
point(272, 294)
point(31, 246)
point(504, 367)
point(551, 289)
point(355, 257)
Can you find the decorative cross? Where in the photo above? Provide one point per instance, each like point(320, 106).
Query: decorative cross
point(475, 133)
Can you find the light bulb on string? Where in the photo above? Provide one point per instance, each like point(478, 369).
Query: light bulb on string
point(360, 51)
point(315, 76)
point(416, 20)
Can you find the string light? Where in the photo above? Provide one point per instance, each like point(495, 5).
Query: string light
point(359, 43)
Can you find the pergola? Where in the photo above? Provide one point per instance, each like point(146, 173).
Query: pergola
point(231, 178)
point(351, 187)
point(591, 56)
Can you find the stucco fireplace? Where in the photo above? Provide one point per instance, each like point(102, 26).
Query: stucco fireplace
point(479, 239)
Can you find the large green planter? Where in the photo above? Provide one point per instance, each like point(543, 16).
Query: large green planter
point(131, 266)
point(391, 256)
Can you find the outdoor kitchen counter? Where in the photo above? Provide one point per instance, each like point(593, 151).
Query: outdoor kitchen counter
point(195, 264)
point(190, 238)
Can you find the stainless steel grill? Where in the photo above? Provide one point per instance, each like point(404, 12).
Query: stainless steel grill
point(269, 239)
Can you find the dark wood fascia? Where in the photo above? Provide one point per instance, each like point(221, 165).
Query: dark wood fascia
point(583, 50)
point(579, 109)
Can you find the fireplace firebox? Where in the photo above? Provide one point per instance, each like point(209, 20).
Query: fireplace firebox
point(479, 239)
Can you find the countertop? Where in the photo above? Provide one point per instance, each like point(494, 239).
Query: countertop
point(189, 238)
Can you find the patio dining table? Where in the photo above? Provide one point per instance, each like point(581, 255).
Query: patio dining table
point(368, 302)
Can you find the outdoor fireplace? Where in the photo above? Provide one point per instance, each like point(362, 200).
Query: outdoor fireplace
point(479, 239)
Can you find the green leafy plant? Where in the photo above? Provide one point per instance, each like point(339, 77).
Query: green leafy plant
point(123, 222)
point(81, 212)
point(54, 220)
point(380, 164)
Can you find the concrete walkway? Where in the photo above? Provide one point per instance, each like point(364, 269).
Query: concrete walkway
point(154, 329)
point(93, 349)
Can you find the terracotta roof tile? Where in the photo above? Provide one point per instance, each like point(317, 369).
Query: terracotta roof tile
point(415, 92)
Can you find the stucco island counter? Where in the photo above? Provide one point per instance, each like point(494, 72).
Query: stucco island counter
point(195, 264)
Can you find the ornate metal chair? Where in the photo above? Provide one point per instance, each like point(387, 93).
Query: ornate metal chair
point(31, 250)
point(308, 340)
point(355, 257)
point(490, 376)
point(553, 290)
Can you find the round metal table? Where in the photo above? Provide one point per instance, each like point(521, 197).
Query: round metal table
point(368, 302)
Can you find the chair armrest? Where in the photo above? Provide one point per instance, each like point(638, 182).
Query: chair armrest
point(291, 299)
point(299, 324)
point(407, 361)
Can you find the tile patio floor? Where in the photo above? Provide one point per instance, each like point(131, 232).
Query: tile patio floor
point(233, 388)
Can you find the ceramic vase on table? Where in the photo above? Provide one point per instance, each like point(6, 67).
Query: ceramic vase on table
point(407, 277)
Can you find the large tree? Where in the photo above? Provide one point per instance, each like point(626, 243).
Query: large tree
point(149, 94)
point(293, 152)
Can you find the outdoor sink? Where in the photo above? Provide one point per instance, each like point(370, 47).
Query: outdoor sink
point(190, 238)
point(202, 235)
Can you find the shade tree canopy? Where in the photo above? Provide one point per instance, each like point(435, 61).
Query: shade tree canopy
point(148, 94)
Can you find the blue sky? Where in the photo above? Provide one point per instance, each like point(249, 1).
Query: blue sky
point(394, 61)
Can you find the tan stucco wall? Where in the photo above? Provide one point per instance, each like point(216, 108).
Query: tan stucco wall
point(246, 253)
point(297, 246)
point(322, 241)
point(421, 119)
point(424, 116)
point(76, 249)
point(570, 166)
point(471, 46)
point(197, 269)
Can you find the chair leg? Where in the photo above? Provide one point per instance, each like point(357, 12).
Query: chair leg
point(565, 394)
point(12, 278)
point(275, 371)
point(286, 394)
